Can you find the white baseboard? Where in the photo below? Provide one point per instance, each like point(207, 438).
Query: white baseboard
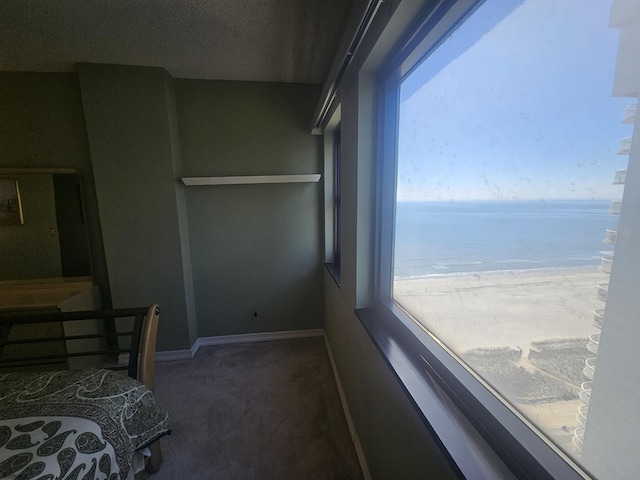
point(259, 337)
point(171, 355)
point(352, 428)
point(166, 356)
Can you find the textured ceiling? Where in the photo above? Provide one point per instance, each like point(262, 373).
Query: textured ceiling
point(257, 40)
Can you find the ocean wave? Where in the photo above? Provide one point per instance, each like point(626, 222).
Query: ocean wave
point(517, 260)
point(440, 267)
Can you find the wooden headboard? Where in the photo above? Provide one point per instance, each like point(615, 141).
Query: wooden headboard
point(95, 338)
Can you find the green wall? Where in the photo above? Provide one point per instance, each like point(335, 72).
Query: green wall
point(130, 133)
point(42, 121)
point(181, 205)
point(42, 125)
point(253, 247)
point(211, 256)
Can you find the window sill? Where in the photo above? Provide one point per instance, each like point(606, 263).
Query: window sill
point(467, 430)
point(468, 454)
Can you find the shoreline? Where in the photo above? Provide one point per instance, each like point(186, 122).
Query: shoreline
point(427, 276)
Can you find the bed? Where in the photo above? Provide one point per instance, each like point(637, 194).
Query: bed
point(87, 423)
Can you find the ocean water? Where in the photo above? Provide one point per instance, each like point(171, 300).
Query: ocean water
point(435, 238)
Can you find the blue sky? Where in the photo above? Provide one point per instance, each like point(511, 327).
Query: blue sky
point(524, 112)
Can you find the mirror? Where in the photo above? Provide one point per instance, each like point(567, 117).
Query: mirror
point(52, 240)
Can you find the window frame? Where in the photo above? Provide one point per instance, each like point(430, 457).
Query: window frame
point(337, 194)
point(419, 360)
point(332, 195)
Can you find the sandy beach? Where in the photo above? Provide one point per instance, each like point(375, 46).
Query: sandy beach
point(525, 332)
point(504, 309)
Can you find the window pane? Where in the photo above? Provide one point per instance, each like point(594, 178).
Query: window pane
point(514, 244)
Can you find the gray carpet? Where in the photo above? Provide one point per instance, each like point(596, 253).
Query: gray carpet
point(266, 410)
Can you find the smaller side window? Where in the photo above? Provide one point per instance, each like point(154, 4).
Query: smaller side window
point(336, 199)
point(332, 159)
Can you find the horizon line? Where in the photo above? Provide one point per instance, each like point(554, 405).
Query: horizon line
point(509, 200)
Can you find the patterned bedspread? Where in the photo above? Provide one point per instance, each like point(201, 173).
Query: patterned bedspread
point(75, 425)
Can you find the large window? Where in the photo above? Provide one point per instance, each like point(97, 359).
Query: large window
point(511, 210)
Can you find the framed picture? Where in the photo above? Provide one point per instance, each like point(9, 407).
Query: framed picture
point(10, 204)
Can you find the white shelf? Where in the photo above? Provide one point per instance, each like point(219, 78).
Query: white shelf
point(251, 179)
